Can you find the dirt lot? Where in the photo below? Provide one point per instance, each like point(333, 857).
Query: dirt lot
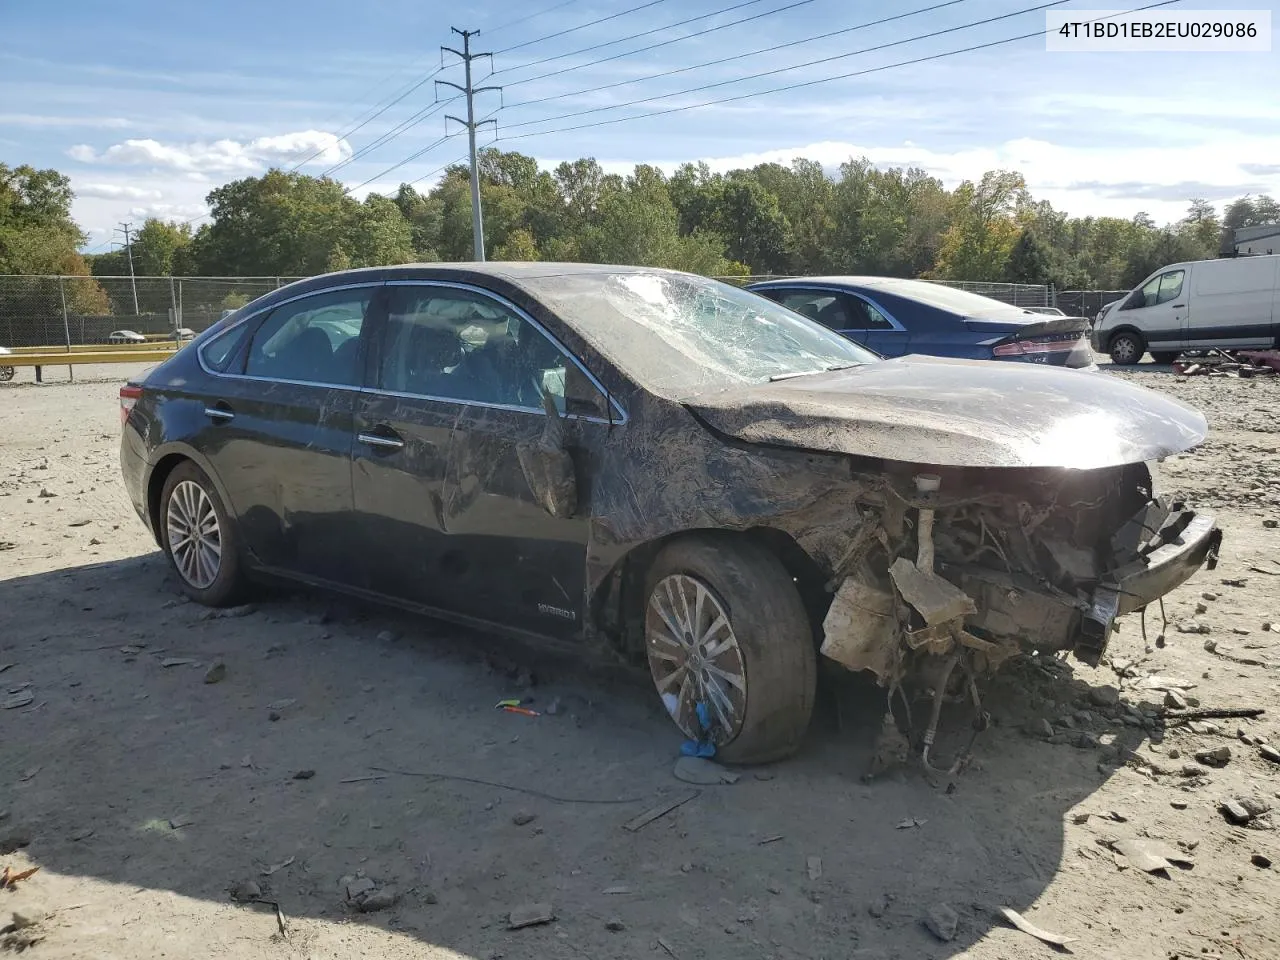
point(144, 794)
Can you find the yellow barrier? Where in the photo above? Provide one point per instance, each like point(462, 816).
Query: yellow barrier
point(91, 348)
point(62, 357)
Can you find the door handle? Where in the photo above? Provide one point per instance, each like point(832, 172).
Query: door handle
point(220, 413)
point(381, 441)
point(1178, 306)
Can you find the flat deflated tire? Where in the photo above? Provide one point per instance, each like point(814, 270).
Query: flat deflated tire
point(730, 647)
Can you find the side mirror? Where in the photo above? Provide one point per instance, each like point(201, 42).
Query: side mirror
point(548, 467)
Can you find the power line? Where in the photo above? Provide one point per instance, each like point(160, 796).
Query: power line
point(813, 83)
point(390, 135)
point(338, 138)
point(637, 36)
point(451, 163)
point(581, 26)
point(740, 56)
point(396, 166)
point(798, 66)
point(512, 23)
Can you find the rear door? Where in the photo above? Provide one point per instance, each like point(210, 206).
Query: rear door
point(444, 504)
point(280, 430)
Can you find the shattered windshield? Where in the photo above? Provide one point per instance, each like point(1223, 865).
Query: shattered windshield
point(684, 334)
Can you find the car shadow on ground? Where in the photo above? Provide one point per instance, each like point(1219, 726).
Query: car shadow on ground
point(128, 767)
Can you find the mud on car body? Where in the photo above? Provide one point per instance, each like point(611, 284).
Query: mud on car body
point(665, 468)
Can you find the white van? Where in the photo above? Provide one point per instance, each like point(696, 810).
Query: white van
point(1229, 304)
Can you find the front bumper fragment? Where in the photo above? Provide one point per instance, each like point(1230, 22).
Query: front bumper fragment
point(1169, 565)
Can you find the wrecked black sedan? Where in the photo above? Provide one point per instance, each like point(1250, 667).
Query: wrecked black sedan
point(662, 467)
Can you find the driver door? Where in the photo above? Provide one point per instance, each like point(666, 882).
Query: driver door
point(1158, 309)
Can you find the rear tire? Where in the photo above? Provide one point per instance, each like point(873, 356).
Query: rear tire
point(765, 643)
point(1166, 356)
point(199, 539)
point(1126, 349)
point(6, 373)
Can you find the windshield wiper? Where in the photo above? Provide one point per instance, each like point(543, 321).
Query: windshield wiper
point(807, 373)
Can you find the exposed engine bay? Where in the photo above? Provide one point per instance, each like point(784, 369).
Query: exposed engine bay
point(955, 571)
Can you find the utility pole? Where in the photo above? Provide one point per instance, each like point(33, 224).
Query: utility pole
point(128, 246)
point(465, 54)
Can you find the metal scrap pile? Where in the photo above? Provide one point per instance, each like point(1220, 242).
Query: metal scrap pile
point(1233, 363)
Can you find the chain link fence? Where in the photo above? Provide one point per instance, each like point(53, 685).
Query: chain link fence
point(1086, 303)
point(74, 311)
point(79, 311)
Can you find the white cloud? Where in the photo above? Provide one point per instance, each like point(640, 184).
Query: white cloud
point(41, 120)
point(220, 156)
point(116, 191)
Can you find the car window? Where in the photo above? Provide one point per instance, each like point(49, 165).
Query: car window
point(1170, 286)
point(1161, 289)
point(866, 316)
point(217, 353)
point(821, 305)
point(455, 344)
point(314, 340)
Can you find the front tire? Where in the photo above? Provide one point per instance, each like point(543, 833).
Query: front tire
point(1127, 349)
point(6, 374)
point(725, 627)
point(199, 538)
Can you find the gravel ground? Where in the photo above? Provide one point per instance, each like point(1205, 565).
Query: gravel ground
point(147, 796)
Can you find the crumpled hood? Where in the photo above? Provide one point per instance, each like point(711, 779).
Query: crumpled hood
point(959, 413)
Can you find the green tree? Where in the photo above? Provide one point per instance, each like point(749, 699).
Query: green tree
point(1029, 260)
point(982, 233)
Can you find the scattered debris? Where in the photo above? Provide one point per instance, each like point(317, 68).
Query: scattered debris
point(227, 613)
point(614, 925)
point(773, 839)
point(1040, 728)
point(530, 915)
point(9, 878)
point(911, 822)
point(277, 867)
point(177, 823)
point(15, 700)
point(942, 922)
point(661, 810)
point(1217, 757)
point(814, 866)
point(246, 891)
point(1218, 713)
point(29, 775)
point(1149, 856)
point(523, 817)
point(615, 891)
point(704, 772)
point(304, 775)
point(283, 704)
point(1261, 861)
point(1269, 752)
point(1027, 927)
point(380, 898)
point(387, 636)
point(1240, 811)
point(1178, 804)
point(178, 662)
point(5, 666)
point(216, 673)
point(1104, 696)
point(1175, 700)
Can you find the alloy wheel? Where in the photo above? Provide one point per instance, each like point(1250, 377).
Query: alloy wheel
point(195, 536)
point(695, 658)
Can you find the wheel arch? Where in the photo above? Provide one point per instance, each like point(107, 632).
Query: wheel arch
point(167, 459)
point(616, 607)
point(1126, 328)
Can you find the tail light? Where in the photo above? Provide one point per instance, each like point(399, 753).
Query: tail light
point(129, 395)
point(1024, 348)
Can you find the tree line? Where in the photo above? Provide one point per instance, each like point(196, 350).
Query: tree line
point(768, 219)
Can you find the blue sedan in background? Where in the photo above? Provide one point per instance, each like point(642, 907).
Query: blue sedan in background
point(899, 317)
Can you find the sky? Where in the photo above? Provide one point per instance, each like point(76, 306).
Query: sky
point(147, 106)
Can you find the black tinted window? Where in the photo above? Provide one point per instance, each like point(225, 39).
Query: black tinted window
point(315, 339)
point(219, 351)
point(460, 345)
